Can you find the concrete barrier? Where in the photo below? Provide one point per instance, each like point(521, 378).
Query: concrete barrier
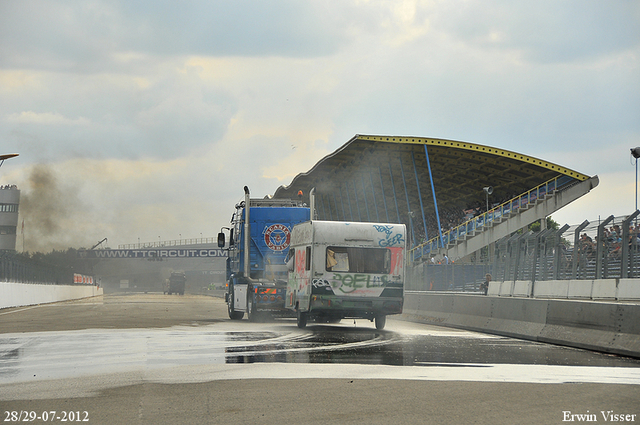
point(551, 288)
point(21, 294)
point(604, 289)
point(580, 288)
point(506, 289)
point(494, 288)
point(628, 289)
point(521, 288)
point(596, 325)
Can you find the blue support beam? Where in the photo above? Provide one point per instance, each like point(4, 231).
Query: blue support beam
point(324, 213)
point(335, 202)
point(424, 220)
point(393, 188)
point(366, 204)
point(375, 203)
point(384, 197)
point(409, 212)
point(344, 215)
point(433, 190)
point(348, 200)
point(355, 192)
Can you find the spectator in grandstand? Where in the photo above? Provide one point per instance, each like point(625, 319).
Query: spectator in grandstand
point(634, 237)
point(587, 247)
point(616, 249)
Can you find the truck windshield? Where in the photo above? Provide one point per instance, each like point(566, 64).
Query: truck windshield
point(358, 260)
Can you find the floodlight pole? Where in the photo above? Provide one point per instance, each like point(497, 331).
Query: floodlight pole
point(488, 191)
point(635, 152)
point(487, 199)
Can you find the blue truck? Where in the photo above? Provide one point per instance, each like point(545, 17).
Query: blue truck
point(258, 244)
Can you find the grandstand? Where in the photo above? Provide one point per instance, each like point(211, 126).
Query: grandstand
point(438, 188)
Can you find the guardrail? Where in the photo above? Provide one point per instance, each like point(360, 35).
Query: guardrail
point(494, 215)
point(176, 242)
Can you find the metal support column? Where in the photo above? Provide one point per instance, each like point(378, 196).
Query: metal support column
point(366, 204)
point(576, 250)
point(344, 214)
point(335, 203)
point(384, 197)
point(355, 192)
point(558, 253)
point(624, 272)
point(329, 208)
point(600, 248)
point(433, 190)
point(324, 212)
point(375, 203)
point(404, 182)
point(393, 188)
point(424, 220)
point(348, 200)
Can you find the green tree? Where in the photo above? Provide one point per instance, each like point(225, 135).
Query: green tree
point(551, 224)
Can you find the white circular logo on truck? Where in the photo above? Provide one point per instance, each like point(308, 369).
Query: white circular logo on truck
point(277, 237)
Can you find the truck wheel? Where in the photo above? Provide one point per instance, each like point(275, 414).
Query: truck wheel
point(301, 319)
point(380, 322)
point(233, 314)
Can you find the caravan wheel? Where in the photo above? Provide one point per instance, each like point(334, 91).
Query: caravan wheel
point(302, 318)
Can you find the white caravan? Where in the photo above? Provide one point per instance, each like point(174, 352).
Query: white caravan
point(346, 270)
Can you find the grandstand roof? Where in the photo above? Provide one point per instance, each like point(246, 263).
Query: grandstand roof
point(382, 178)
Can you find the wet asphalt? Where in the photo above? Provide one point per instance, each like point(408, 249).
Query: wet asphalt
point(80, 350)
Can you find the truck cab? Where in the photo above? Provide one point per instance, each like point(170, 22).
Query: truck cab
point(258, 244)
point(176, 283)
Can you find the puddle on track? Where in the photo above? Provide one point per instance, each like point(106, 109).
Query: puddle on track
point(51, 355)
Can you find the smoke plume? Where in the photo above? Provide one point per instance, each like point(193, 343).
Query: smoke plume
point(49, 211)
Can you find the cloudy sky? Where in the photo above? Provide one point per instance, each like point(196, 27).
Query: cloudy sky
point(143, 120)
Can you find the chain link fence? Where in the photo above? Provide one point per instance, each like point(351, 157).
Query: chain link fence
point(602, 250)
point(605, 249)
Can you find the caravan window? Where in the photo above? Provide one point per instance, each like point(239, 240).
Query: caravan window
point(358, 260)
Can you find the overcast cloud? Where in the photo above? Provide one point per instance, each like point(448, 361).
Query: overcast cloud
point(148, 117)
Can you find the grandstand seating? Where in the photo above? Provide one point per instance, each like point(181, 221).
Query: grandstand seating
point(518, 212)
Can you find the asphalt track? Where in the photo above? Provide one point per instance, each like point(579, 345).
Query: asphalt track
point(158, 359)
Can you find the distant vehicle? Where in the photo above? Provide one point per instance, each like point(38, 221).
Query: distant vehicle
point(176, 284)
point(259, 241)
point(343, 270)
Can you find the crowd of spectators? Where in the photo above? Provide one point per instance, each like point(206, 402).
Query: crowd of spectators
point(450, 218)
point(612, 242)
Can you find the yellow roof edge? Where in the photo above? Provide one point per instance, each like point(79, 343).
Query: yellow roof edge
point(477, 148)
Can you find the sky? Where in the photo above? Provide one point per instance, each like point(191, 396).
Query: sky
point(142, 120)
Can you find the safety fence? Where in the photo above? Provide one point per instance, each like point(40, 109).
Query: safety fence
point(447, 277)
point(18, 268)
point(493, 216)
point(603, 250)
point(606, 249)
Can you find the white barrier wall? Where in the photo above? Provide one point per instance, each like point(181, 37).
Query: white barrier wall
point(602, 325)
point(21, 294)
point(602, 289)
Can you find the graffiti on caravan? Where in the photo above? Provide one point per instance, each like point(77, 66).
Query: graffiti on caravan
point(154, 253)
